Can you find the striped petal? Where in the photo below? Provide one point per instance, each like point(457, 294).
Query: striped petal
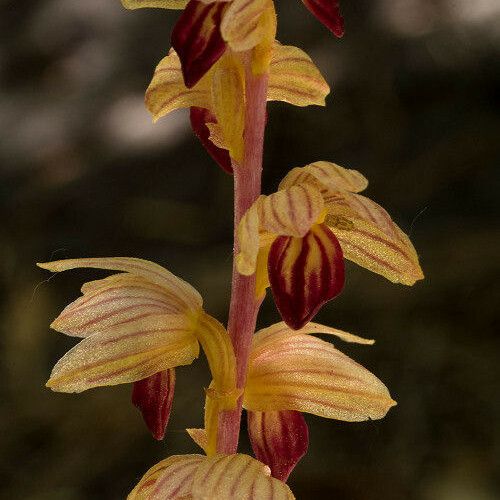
point(120, 299)
point(222, 476)
point(367, 245)
point(126, 353)
point(228, 99)
point(145, 269)
point(303, 373)
point(328, 13)
point(237, 476)
point(196, 38)
point(153, 396)
point(176, 473)
point(294, 78)
point(167, 91)
point(200, 118)
point(329, 177)
point(279, 439)
point(241, 27)
point(161, 4)
point(304, 273)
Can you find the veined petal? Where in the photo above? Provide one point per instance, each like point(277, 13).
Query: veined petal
point(200, 118)
point(167, 91)
point(248, 239)
point(126, 353)
point(240, 26)
point(237, 476)
point(290, 212)
point(161, 4)
point(265, 338)
point(176, 473)
point(228, 98)
point(218, 477)
point(304, 373)
point(119, 300)
point(328, 13)
point(294, 78)
point(153, 396)
point(368, 246)
point(279, 439)
point(148, 270)
point(196, 38)
point(329, 177)
point(305, 273)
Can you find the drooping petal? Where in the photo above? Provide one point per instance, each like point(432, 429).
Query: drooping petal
point(328, 13)
point(153, 396)
point(221, 477)
point(161, 4)
point(228, 98)
point(200, 117)
point(126, 353)
point(240, 26)
point(372, 239)
point(196, 38)
point(294, 78)
point(371, 248)
point(329, 177)
point(279, 439)
point(117, 299)
point(305, 273)
point(176, 473)
point(167, 91)
point(303, 373)
point(237, 476)
point(145, 269)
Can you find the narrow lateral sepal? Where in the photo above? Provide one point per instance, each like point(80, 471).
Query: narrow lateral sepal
point(304, 273)
point(327, 12)
point(279, 439)
point(197, 40)
point(153, 396)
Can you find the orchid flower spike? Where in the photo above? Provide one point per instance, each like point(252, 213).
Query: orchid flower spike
point(296, 240)
point(137, 326)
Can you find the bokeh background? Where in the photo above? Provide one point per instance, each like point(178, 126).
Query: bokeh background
point(415, 106)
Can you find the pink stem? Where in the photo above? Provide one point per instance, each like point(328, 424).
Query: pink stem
point(244, 305)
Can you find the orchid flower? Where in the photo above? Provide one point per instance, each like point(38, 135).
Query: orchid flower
point(290, 372)
point(217, 102)
point(296, 240)
point(137, 327)
point(207, 28)
point(221, 477)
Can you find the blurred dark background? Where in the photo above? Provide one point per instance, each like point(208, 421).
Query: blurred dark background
point(415, 106)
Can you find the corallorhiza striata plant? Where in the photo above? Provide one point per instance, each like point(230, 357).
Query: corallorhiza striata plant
point(138, 325)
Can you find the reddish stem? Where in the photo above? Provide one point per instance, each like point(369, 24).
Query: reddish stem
point(244, 305)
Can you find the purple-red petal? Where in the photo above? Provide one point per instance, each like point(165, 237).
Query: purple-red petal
point(199, 119)
point(153, 396)
point(279, 439)
point(304, 273)
point(328, 13)
point(197, 39)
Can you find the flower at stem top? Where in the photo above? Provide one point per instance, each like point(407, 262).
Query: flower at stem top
point(217, 102)
point(207, 28)
point(137, 326)
point(296, 240)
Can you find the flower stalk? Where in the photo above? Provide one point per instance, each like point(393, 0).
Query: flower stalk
point(244, 305)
